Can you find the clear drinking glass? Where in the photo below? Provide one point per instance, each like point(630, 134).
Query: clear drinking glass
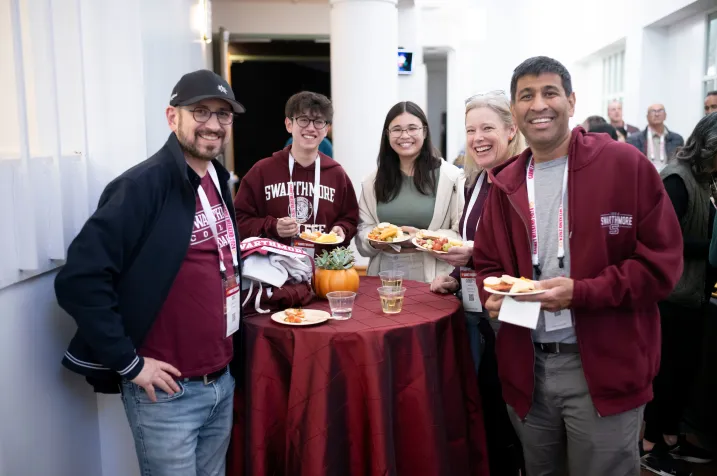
point(391, 299)
point(391, 278)
point(341, 304)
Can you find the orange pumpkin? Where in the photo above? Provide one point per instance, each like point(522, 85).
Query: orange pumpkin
point(328, 280)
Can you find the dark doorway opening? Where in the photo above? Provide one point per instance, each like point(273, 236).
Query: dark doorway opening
point(263, 81)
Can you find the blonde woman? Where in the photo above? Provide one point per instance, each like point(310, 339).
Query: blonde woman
point(491, 139)
point(412, 188)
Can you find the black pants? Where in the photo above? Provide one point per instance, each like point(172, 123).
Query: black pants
point(679, 365)
point(505, 454)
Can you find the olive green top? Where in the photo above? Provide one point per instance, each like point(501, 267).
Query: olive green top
point(410, 207)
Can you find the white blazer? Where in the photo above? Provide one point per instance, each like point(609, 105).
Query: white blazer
point(446, 218)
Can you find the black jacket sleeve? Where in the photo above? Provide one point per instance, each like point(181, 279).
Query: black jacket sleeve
point(86, 287)
point(676, 190)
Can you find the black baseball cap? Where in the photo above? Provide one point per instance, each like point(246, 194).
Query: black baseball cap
point(203, 84)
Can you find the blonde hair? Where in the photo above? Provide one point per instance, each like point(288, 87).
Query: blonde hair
point(500, 104)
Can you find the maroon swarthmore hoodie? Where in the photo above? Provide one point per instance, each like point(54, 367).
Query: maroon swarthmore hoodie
point(625, 256)
point(263, 198)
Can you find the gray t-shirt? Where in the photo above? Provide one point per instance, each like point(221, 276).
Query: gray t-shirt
point(548, 192)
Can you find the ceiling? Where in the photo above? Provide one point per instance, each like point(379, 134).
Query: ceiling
point(270, 1)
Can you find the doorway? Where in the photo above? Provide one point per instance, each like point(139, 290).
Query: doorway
point(263, 77)
point(436, 62)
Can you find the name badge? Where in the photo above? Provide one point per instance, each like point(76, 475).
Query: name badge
point(232, 305)
point(469, 287)
point(554, 321)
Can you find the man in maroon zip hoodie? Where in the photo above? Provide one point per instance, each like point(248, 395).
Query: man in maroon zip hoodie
point(278, 197)
point(577, 384)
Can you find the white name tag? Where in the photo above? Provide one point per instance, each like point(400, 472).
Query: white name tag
point(469, 290)
point(232, 307)
point(554, 321)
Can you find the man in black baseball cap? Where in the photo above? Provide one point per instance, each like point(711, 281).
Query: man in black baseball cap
point(152, 281)
point(203, 84)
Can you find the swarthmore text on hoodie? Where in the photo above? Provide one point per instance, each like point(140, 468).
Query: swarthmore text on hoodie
point(301, 189)
point(264, 197)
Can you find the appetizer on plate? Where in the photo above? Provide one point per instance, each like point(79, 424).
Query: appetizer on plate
point(509, 284)
point(295, 316)
point(432, 241)
point(387, 233)
point(318, 237)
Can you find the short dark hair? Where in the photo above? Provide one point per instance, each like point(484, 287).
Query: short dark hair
point(606, 129)
point(710, 93)
point(535, 67)
point(593, 121)
point(307, 101)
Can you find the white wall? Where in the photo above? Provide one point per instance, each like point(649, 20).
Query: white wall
point(49, 417)
point(664, 57)
point(686, 48)
point(101, 74)
point(272, 19)
point(412, 87)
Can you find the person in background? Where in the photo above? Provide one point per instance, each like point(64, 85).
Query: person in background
point(593, 121)
point(153, 282)
point(298, 189)
point(614, 113)
point(688, 182)
point(605, 129)
point(588, 218)
point(657, 142)
point(491, 139)
point(412, 188)
point(711, 102)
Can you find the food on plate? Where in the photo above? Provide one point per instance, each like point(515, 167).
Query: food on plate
point(509, 284)
point(432, 241)
point(386, 232)
point(319, 237)
point(294, 316)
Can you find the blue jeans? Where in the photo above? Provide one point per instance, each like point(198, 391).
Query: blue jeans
point(186, 434)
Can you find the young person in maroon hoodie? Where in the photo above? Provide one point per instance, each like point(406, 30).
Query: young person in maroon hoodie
point(576, 386)
point(277, 198)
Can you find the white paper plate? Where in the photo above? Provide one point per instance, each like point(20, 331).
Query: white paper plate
point(397, 242)
point(415, 243)
point(312, 316)
point(338, 241)
point(506, 293)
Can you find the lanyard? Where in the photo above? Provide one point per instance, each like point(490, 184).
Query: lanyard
point(471, 204)
point(206, 206)
point(317, 183)
point(530, 180)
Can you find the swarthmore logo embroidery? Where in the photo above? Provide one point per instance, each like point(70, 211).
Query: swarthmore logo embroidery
point(304, 199)
point(614, 221)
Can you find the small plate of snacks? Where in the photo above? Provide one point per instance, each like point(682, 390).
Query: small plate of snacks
point(300, 317)
point(435, 243)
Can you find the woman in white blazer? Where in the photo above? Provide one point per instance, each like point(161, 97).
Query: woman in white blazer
point(413, 188)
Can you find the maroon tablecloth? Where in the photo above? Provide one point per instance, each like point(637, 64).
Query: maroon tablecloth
point(374, 395)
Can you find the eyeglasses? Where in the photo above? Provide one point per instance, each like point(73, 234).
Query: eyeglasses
point(412, 130)
point(304, 121)
point(495, 92)
point(203, 114)
point(656, 111)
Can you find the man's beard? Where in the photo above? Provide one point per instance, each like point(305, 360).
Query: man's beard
point(191, 149)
